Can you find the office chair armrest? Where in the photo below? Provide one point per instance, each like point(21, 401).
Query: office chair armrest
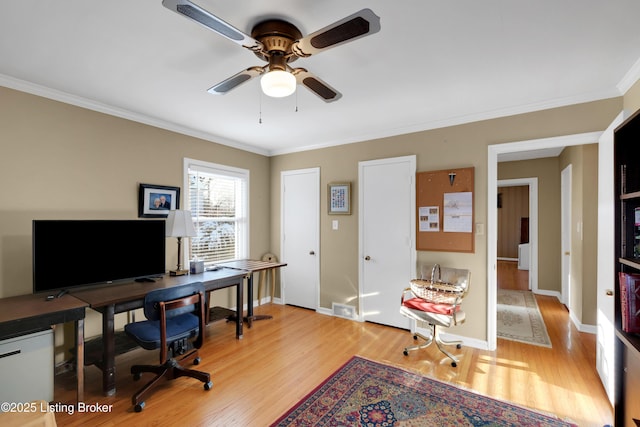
point(455, 305)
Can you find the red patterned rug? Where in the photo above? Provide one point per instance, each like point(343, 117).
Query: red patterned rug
point(371, 394)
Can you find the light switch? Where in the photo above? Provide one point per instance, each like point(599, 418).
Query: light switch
point(480, 229)
point(334, 224)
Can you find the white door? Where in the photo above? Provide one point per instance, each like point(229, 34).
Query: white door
point(300, 195)
point(387, 253)
point(565, 233)
point(605, 334)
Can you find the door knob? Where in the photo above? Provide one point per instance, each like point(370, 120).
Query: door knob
point(367, 258)
point(312, 253)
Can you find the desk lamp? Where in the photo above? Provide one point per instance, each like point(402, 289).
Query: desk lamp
point(179, 224)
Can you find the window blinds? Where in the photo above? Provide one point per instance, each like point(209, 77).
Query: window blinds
point(217, 200)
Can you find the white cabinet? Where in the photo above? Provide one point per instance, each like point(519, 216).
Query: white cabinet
point(26, 368)
point(523, 256)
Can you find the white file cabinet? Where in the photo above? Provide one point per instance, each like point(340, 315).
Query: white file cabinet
point(523, 256)
point(26, 368)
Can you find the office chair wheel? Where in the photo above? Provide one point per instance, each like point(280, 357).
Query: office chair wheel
point(454, 364)
point(415, 337)
point(137, 376)
point(405, 352)
point(196, 361)
point(139, 407)
point(208, 386)
point(459, 346)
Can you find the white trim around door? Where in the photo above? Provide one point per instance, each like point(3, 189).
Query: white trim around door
point(494, 151)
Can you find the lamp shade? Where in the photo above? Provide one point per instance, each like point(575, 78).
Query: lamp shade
point(278, 83)
point(180, 224)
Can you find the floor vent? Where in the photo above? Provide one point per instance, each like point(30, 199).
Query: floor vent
point(343, 310)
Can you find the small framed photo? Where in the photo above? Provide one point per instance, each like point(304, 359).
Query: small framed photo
point(339, 198)
point(155, 201)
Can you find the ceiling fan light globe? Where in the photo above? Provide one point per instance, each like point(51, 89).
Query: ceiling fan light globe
point(278, 83)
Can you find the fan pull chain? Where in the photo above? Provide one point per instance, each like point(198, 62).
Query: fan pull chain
point(260, 105)
point(296, 101)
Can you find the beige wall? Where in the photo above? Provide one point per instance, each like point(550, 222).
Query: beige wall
point(451, 147)
point(584, 230)
point(61, 161)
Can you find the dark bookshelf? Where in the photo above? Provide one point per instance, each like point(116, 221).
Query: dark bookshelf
point(627, 247)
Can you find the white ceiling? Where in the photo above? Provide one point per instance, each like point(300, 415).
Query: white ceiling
point(434, 63)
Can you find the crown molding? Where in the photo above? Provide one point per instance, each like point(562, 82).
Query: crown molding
point(24, 86)
point(89, 104)
point(460, 120)
point(630, 78)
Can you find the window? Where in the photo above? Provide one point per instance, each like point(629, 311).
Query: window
point(218, 198)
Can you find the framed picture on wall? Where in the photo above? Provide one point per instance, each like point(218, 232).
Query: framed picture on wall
point(339, 198)
point(155, 201)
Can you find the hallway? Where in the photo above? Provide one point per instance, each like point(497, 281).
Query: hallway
point(509, 277)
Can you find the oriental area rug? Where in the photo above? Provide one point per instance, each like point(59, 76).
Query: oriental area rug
point(371, 394)
point(519, 318)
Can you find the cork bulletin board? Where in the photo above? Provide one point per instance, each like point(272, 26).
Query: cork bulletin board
point(445, 217)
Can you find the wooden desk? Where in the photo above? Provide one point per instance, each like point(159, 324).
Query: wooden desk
point(250, 266)
point(24, 314)
point(113, 299)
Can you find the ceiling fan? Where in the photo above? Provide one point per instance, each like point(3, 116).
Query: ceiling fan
point(279, 43)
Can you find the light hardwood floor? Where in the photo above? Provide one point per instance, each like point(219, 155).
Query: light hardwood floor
point(279, 361)
point(509, 277)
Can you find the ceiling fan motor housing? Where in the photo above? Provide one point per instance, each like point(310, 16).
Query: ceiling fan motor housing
point(277, 37)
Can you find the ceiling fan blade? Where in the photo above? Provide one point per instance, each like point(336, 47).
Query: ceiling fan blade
point(235, 80)
point(315, 85)
point(360, 24)
point(212, 22)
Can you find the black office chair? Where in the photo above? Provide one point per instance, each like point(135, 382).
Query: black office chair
point(175, 317)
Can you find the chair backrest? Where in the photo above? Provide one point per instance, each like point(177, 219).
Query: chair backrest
point(456, 276)
point(151, 300)
point(163, 304)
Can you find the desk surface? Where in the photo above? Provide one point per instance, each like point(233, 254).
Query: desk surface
point(32, 305)
point(251, 265)
point(120, 293)
point(25, 313)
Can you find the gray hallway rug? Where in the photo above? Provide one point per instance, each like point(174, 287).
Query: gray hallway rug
point(519, 318)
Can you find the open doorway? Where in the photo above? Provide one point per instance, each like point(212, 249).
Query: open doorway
point(548, 147)
point(513, 247)
point(605, 269)
point(518, 315)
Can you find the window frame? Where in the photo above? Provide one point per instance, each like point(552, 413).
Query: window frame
point(242, 239)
